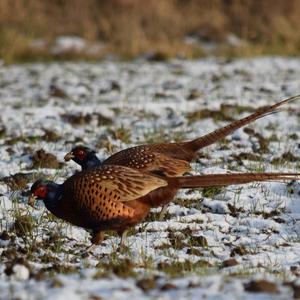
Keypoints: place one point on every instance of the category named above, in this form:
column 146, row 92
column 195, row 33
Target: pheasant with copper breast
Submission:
column 167, row 159
column 115, row 198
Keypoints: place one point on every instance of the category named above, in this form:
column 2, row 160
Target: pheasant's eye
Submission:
column 80, row 154
column 41, row 192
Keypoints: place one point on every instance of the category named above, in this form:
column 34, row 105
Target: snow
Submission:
column 20, row 272
column 146, row 99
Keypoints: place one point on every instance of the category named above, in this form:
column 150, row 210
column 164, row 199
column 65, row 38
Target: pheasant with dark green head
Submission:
column 167, row 159
column 116, row 198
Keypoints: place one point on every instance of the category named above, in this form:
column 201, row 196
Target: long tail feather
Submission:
column 220, row 133
column 230, row 179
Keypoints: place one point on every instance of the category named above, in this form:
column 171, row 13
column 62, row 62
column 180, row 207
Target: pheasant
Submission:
column 167, row 159
column 115, row 198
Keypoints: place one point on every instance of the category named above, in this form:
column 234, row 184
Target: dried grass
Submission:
column 134, row 27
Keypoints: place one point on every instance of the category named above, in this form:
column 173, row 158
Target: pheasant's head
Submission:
column 45, row 190
column 83, row 156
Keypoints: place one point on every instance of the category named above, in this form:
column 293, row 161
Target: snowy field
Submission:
column 239, row 242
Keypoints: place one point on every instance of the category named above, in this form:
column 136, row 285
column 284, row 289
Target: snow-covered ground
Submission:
column 239, row 242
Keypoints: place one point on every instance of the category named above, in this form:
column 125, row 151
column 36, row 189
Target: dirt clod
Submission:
column 43, row 159
column 261, row 286
column 4, row 236
column 18, row 181
column 168, row 286
column 240, row 250
column 229, row 263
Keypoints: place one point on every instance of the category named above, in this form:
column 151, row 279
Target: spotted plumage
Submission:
column 150, row 158
column 167, row 159
column 97, row 198
column 110, row 198
column 115, row 197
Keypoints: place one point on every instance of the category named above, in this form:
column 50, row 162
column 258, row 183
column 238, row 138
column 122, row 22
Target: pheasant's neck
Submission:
column 91, row 163
column 54, row 196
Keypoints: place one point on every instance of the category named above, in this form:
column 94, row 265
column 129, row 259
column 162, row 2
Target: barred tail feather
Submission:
column 230, row 179
column 221, row 133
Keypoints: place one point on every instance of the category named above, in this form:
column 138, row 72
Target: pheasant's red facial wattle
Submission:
column 41, row 192
column 80, row 154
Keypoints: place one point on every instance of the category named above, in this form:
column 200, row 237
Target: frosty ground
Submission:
column 239, row 242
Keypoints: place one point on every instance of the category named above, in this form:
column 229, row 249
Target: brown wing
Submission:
column 156, row 158
column 99, row 193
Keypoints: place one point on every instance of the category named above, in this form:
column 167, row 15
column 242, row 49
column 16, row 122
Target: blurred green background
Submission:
column 93, row 29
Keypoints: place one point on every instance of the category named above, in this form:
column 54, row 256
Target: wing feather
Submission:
column 102, row 193
column 144, row 158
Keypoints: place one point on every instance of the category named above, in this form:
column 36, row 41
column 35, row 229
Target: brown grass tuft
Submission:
column 133, row 27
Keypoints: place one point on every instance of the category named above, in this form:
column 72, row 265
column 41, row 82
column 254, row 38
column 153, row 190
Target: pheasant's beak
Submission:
column 69, row 156
column 31, row 200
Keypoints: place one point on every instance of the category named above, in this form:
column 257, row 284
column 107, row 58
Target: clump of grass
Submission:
column 216, row 115
column 262, row 141
column 286, row 157
column 188, row 203
column 131, row 28
column 239, row 250
column 194, row 251
column 176, row 240
column 225, row 112
column 18, row 181
column 79, row 119
column 212, row 191
column 198, row 241
column 120, row 267
column 23, row 138
column 43, row 159
column 147, row 284
column 156, row 216
column 51, row 136
column 177, row 268
column 121, row 133
column 161, row 135
column 58, row 268
column 23, row 225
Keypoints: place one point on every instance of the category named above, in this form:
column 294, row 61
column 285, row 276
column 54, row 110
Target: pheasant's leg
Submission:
column 163, row 212
column 123, row 237
column 97, row 239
